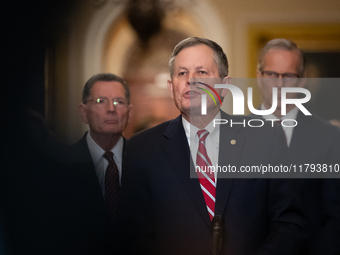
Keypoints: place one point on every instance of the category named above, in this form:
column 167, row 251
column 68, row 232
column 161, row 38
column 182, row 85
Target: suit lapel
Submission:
column 124, row 147
column 177, row 150
column 86, row 167
column 229, row 154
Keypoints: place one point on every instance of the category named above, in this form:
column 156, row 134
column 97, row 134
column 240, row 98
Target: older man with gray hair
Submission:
column 312, row 141
column 165, row 210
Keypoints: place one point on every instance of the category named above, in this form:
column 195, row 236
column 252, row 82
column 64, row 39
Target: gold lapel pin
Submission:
column 233, row 142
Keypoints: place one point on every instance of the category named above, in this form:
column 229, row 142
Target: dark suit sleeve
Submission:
column 327, row 241
column 287, row 230
column 134, row 215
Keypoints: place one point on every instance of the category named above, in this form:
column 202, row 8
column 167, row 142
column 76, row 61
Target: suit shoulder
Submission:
column 150, row 133
column 324, row 123
column 320, row 125
column 79, row 151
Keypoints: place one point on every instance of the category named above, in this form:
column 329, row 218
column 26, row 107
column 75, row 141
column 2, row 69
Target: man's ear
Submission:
column 83, row 113
column 226, row 80
column 259, row 78
column 131, row 110
column 170, row 87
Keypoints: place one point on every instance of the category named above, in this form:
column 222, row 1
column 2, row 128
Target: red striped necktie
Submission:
column 206, row 178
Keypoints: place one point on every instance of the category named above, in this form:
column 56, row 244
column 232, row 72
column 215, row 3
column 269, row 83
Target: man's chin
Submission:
column 195, row 110
column 110, row 132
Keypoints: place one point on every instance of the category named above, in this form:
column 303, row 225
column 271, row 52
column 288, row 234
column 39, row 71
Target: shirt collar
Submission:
column 292, row 114
column 118, row 150
column 191, row 130
column 97, row 152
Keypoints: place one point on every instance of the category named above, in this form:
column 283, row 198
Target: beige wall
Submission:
column 79, row 49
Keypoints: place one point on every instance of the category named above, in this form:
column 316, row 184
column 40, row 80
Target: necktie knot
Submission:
column 108, row 155
column 202, row 134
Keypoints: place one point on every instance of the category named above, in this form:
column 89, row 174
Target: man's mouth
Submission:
column 191, row 93
column 111, row 121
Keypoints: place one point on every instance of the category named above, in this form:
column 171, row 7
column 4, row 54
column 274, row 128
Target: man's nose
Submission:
column 279, row 81
column 111, row 107
column 191, row 77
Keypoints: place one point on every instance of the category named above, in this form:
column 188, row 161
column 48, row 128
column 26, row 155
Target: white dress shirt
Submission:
column 100, row 163
column 292, row 114
column 211, row 143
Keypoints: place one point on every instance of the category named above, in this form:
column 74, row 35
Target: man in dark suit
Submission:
column 106, row 109
column 311, row 141
column 97, row 156
column 165, row 210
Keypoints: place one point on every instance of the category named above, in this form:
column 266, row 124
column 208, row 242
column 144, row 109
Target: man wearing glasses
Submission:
column 106, row 109
column 280, row 58
column 97, row 164
column 312, row 141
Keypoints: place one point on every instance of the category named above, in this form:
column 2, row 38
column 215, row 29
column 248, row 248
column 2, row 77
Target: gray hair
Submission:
column 219, row 56
column 104, row 77
column 281, row 44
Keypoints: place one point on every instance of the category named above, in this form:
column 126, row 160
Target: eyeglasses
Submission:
column 104, row 101
column 271, row 74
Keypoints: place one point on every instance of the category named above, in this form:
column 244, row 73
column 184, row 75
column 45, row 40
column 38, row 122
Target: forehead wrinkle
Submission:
column 182, row 67
column 185, row 68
